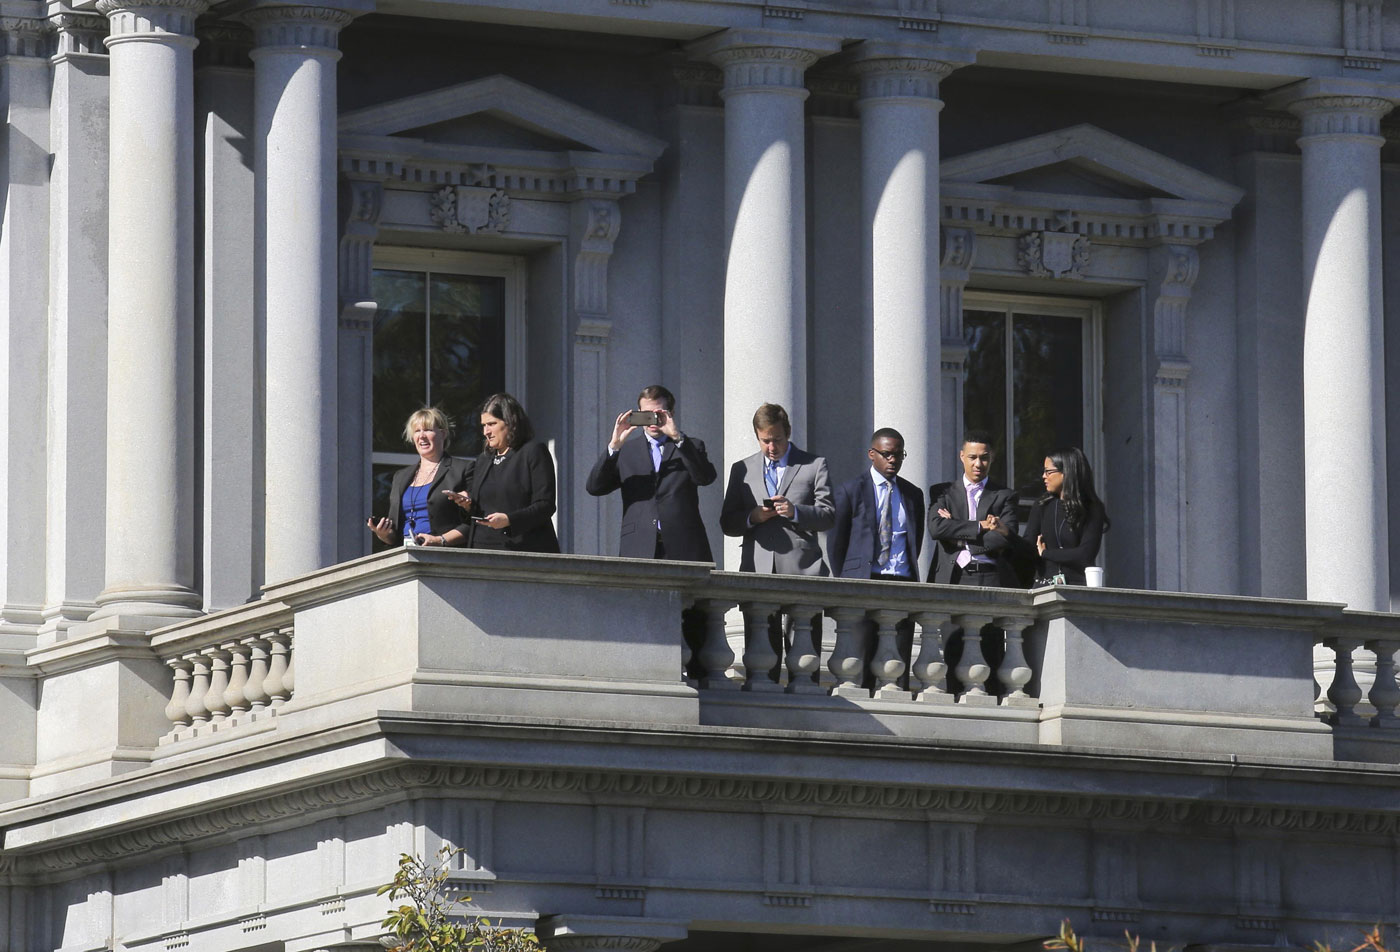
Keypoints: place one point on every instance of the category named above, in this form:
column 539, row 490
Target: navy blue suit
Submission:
column 853, row 544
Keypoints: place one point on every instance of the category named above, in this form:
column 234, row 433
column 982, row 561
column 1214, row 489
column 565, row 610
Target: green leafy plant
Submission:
column 428, row 919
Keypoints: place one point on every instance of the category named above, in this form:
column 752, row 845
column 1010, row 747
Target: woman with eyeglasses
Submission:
column 1067, row 523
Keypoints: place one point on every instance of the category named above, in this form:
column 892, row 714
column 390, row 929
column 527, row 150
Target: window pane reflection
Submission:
column 1048, row 390
column 400, row 372
column 467, row 358
column 984, row 397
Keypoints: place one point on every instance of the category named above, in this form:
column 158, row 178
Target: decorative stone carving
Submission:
column 920, row 15
column 762, row 67
column 79, row 34
column 305, row 28
column 25, row 36
column 471, row 209
column 906, row 76
column 787, row 859
column 133, row 18
column 1053, row 254
column 1341, row 115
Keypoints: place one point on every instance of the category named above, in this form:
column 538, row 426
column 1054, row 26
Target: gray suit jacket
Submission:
column 780, row 545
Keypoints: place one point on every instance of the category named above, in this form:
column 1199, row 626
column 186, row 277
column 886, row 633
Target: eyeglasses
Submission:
column 890, row 454
column 1047, row 472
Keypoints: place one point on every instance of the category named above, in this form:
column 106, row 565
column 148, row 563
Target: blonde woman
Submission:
column 421, row 511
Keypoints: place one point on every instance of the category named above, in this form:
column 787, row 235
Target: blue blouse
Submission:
column 415, row 511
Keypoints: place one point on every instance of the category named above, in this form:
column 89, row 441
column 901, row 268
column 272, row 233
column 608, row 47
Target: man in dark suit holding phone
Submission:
column 659, row 470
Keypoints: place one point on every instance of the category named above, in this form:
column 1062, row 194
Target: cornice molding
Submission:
column 520, row 783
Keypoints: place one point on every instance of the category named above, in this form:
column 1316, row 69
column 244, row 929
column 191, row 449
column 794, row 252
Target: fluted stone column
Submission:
column 1343, row 375
column 899, row 108
column 294, row 65
column 765, row 299
column 150, row 357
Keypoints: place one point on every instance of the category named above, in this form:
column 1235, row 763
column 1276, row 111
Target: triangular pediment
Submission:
column 1106, row 164
column 505, row 108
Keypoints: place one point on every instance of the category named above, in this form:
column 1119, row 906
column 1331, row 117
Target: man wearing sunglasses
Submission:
column 879, row 518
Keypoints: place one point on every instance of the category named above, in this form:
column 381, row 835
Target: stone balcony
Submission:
column 617, row 741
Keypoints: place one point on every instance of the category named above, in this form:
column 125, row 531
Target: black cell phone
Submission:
column 768, row 504
column 480, row 520
column 643, row 418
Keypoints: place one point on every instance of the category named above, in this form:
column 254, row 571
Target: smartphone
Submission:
column 643, row 418
column 768, row 504
column 481, row 521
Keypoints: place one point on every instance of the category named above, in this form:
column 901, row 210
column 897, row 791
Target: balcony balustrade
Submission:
column 460, row 632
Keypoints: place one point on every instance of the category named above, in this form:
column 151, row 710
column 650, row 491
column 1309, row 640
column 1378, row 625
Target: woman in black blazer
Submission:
column 511, row 500
column 1068, row 522
column 420, row 510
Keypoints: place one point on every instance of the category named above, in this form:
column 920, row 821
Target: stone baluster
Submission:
column 1385, row 694
column 257, row 675
column 759, row 657
column 686, row 653
column 931, row 667
column 887, row 666
column 289, row 680
column 199, row 689
column 1014, row 672
column 218, row 684
column 1344, row 693
column 177, row 710
column 847, row 663
column 803, row 656
column 277, row 668
column 715, row 654
column 973, row 670
column 236, row 696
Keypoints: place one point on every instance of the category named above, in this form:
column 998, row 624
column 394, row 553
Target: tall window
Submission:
column 1032, row 381
column 445, row 334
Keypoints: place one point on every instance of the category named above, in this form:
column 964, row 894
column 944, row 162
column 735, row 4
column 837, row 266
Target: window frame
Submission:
column 511, row 268
column 1090, row 311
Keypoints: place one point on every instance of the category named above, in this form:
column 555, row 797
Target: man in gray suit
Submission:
column 778, row 500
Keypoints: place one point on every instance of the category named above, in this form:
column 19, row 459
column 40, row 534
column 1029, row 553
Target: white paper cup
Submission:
column 1093, row 577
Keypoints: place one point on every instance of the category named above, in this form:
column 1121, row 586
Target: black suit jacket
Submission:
column 1067, row 550
column 963, row 531
column 670, row 495
column 526, row 478
column 853, row 544
column 444, row 515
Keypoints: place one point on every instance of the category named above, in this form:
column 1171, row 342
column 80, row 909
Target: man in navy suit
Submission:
column 879, row 518
column 659, row 470
column 878, row 532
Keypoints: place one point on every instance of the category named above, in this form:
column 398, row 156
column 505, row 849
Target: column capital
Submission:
column 895, row 70
column 1337, row 106
column 78, row 33
column 763, row 59
column 303, row 26
column 145, row 20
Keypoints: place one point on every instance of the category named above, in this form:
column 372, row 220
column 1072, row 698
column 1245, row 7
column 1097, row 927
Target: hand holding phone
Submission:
column 767, row 504
column 643, row 418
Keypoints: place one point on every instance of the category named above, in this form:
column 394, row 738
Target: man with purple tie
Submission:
column 973, row 520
